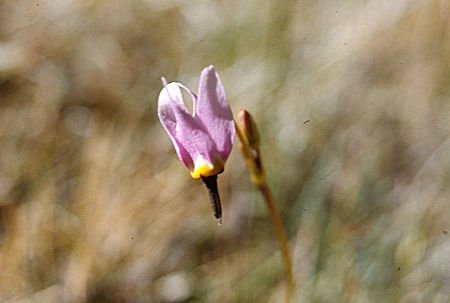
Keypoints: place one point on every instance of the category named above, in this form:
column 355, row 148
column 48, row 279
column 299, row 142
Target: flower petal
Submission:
column 214, row 111
column 188, row 135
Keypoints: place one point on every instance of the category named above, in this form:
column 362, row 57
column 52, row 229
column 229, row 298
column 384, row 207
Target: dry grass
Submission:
column 353, row 104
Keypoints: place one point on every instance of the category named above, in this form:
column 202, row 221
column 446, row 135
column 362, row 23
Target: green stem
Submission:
column 282, row 238
column 252, row 158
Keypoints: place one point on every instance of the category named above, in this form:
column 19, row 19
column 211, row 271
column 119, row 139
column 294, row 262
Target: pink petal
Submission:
column 214, row 111
column 188, row 135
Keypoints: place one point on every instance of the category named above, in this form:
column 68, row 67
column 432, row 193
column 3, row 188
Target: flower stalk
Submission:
column 249, row 138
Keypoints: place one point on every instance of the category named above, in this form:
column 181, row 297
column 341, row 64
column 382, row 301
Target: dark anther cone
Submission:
column 211, row 184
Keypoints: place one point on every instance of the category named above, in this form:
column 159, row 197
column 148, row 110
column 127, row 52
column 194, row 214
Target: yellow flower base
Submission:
column 204, row 168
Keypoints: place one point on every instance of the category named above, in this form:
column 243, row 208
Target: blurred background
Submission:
column 352, row 99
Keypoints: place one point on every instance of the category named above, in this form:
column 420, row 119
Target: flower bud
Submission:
column 248, row 128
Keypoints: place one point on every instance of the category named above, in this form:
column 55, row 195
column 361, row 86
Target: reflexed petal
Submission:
column 214, row 111
column 189, row 137
column 168, row 119
column 173, row 88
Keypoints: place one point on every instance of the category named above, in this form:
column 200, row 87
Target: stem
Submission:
column 249, row 147
column 281, row 236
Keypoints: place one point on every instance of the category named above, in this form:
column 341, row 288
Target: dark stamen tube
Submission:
column 211, row 184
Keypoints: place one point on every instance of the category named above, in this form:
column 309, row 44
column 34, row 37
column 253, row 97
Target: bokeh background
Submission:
column 352, row 99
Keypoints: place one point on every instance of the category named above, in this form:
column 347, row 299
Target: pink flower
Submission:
column 203, row 139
